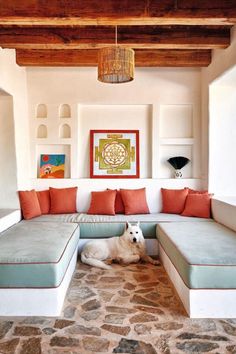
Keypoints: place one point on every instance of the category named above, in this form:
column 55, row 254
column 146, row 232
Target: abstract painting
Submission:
column 52, row 166
column 114, row 154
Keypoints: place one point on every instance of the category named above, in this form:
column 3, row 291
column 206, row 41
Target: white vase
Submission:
column 178, row 174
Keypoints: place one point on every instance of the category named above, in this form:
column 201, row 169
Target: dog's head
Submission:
column 133, row 233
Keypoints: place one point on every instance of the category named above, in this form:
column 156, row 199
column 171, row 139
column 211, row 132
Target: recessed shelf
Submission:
column 41, row 111
column 64, row 111
column 54, row 149
column 65, row 131
column 42, row 131
column 176, row 121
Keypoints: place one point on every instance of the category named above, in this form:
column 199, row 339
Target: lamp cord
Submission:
column 116, row 35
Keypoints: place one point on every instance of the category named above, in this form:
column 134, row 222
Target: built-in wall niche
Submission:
column 51, row 149
column 42, row 131
column 176, row 138
column 167, row 151
column 116, row 117
column 64, row 131
column 64, row 111
column 176, row 121
column 41, row 111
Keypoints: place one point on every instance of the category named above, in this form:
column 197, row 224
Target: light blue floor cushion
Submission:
column 36, row 254
column 204, row 253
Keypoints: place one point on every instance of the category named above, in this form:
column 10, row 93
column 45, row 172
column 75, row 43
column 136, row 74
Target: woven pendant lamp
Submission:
column 115, row 64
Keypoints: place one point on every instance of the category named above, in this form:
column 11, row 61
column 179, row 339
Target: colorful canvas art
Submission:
column 114, row 154
column 52, row 166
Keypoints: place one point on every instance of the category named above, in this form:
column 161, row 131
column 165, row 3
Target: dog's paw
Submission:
column 120, row 260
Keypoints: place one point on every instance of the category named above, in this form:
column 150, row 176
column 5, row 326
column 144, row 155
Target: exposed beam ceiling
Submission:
column 69, row 33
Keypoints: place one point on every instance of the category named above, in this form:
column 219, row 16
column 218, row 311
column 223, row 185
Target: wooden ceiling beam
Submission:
column 143, row 58
column 113, row 12
column 90, row 37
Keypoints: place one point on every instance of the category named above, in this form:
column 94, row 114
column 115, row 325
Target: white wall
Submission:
column 222, row 61
column 222, row 157
column 134, row 105
column 8, row 185
column 13, row 82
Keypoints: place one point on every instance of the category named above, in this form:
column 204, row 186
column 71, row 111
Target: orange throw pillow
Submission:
column 29, row 204
column 44, row 201
column 119, row 205
column 63, row 200
column 135, row 201
column 102, row 203
column 198, row 205
column 173, row 200
column 193, row 191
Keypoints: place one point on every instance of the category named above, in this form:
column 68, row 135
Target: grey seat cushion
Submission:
column 36, row 254
column 204, row 254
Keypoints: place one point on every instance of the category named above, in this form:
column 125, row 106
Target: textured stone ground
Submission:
column 129, row 309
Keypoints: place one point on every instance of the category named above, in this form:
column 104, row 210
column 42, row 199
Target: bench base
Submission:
column 151, row 245
column 9, row 217
column 201, row 303
column 37, row 302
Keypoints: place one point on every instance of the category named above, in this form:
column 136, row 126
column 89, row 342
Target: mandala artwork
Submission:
column 114, row 154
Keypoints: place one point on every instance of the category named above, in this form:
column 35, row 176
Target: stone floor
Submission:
column 129, row 309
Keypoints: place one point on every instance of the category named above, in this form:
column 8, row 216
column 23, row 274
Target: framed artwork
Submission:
column 52, row 166
column 114, row 153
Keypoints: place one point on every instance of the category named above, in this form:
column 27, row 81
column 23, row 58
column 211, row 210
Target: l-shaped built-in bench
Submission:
column 200, row 259
column 38, row 257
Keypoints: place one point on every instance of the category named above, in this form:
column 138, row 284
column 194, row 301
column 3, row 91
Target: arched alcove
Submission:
column 64, row 111
column 42, row 131
column 65, row 131
column 41, row 110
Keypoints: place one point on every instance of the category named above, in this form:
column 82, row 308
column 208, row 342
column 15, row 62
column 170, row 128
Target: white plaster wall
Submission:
column 8, row 179
column 86, row 186
column 13, row 81
column 222, row 61
column 222, row 157
column 151, row 88
column 80, row 85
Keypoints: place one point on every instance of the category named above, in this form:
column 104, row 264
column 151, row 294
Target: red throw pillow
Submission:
column 102, row 203
column 119, row 205
column 173, row 200
column 63, row 200
column 198, row 205
column 44, row 201
column 135, row 201
column 29, row 204
column 193, row 191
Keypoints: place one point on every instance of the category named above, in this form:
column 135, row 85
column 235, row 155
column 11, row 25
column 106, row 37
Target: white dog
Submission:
column 126, row 249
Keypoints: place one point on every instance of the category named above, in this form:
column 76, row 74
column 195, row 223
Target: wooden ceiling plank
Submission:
column 155, row 37
column 143, row 58
column 113, row 12
column 184, row 19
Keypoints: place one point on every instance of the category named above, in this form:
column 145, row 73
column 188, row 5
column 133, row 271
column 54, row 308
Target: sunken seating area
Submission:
column 197, row 253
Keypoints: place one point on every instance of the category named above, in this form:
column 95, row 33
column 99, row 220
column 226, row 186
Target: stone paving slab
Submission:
column 128, row 309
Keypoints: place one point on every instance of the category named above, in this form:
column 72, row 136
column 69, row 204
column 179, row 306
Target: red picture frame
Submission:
column 114, row 154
